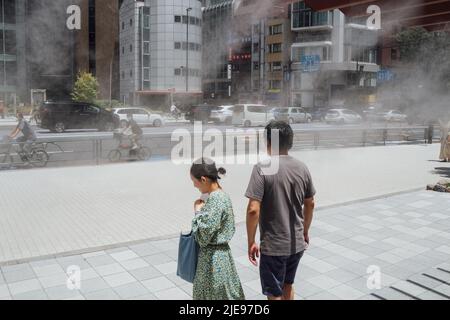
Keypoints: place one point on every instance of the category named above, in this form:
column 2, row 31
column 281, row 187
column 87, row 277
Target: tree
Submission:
column 86, row 87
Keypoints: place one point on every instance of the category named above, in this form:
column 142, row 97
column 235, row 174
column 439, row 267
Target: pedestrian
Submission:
column 213, row 227
column 447, row 149
column 445, row 128
column 276, row 203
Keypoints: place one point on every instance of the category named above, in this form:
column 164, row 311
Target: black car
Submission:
column 199, row 113
column 61, row 116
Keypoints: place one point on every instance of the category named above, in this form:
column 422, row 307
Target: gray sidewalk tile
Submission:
column 158, row 284
column 324, row 295
column 134, row 264
column 250, row 292
column 19, row 275
column 172, row 294
column 144, row 249
column 107, row 294
column 124, row 255
column 109, row 269
column 148, row 296
column 60, row 293
column 145, row 273
column 92, row 285
column 305, row 289
column 131, row 290
column 100, row 260
column 119, row 279
column 324, row 282
column 48, row 270
column 346, row 292
column 177, row 280
column 24, row 286
column 78, row 261
column 157, row 259
column 167, row 268
column 342, row 275
column 53, row 281
column 31, row 295
column 23, row 267
column 4, row 291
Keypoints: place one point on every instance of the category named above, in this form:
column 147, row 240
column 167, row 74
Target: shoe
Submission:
column 135, row 147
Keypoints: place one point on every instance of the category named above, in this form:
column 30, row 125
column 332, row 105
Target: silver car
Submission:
column 342, row 116
column 140, row 115
column 292, row 115
column 394, row 116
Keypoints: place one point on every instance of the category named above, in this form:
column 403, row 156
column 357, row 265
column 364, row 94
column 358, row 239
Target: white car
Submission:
column 140, row 115
column 222, row 114
column 394, row 116
column 342, row 116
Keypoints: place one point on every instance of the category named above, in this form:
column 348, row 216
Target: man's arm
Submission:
column 14, row 133
column 308, row 213
column 253, row 211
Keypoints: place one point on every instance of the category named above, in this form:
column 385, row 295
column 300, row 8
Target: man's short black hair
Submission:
column 285, row 134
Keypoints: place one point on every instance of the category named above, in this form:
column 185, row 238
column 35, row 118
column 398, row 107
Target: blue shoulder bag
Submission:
column 187, row 257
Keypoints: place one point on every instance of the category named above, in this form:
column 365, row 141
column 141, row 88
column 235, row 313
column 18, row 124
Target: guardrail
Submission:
column 82, row 150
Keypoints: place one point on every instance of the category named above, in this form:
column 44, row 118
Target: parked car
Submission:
column 199, row 113
column 248, row 115
column 342, row 116
column 222, row 114
column 292, row 115
column 394, row 116
column 61, row 116
column 141, row 115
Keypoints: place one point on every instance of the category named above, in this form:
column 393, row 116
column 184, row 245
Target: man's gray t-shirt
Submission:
column 282, row 197
column 26, row 130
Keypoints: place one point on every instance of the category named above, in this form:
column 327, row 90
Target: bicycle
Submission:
column 36, row 156
column 141, row 153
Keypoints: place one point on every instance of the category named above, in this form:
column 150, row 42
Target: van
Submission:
column 248, row 115
column 61, row 116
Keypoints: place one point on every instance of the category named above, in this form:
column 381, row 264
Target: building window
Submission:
column 185, row 19
column 177, row 19
column 123, row 25
column 123, row 75
column 131, row 48
column 275, row 48
column 131, row 22
column 256, row 47
column 123, row 50
column 177, row 45
column 277, row 29
column 276, row 66
column 303, row 16
column 178, row 72
column 256, row 65
column 274, row 85
column 146, row 47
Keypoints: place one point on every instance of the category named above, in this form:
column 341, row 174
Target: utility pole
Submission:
column 187, row 48
column 4, row 54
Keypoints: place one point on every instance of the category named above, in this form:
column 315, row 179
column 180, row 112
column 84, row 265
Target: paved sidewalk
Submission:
column 404, row 235
column 47, row 212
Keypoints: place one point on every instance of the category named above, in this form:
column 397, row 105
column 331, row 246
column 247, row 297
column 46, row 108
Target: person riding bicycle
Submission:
column 133, row 132
column 174, row 111
column 28, row 133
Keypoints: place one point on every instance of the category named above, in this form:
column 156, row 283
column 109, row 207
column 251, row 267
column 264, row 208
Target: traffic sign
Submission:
column 310, row 63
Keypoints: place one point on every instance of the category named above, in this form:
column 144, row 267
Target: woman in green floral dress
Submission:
column 213, row 226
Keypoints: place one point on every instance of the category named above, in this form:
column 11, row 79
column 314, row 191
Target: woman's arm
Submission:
column 208, row 221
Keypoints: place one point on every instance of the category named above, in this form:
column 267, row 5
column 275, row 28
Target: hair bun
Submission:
column 222, row 171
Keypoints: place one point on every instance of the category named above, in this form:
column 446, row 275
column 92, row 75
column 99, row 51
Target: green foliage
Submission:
column 85, row 89
column 106, row 104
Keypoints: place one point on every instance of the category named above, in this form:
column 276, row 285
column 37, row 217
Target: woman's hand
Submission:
column 198, row 205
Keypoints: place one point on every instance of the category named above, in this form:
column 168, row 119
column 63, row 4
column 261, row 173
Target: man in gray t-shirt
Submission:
column 276, row 203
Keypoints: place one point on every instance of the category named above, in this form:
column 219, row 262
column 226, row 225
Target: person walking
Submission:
column 213, row 227
column 445, row 128
column 276, row 203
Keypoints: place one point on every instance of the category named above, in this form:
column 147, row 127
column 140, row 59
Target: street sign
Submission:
column 385, row 75
column 310, row 63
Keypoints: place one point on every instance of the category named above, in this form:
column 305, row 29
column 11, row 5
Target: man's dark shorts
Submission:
column 275, row 272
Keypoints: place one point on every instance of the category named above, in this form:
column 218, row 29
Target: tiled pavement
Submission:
column 78, row 209
column 407, row 236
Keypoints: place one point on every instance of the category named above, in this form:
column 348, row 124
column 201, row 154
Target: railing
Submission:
column 64, row 151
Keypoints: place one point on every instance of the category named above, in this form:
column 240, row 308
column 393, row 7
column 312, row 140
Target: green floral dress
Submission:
column 216, row 277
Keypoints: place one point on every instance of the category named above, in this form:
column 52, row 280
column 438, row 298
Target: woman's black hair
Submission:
column 205, row 167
